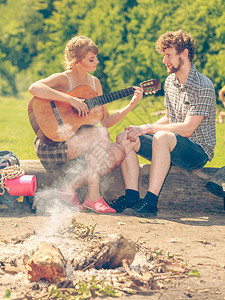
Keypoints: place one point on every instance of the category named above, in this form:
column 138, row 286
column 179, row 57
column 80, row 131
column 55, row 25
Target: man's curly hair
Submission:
column 178, row 40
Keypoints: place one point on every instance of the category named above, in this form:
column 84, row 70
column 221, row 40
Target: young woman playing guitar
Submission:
column 92, row 142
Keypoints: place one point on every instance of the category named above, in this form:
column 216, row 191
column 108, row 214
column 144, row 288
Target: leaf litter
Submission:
column 151, row 270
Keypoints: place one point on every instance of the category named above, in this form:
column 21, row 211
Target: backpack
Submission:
column 8, row 158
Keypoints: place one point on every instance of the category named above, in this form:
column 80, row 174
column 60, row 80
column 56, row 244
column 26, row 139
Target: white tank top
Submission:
column 71, row 86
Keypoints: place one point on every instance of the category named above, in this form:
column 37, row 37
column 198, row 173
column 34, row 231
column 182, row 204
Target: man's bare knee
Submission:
column 164, row 139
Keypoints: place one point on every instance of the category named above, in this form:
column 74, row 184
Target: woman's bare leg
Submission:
column 101, row 157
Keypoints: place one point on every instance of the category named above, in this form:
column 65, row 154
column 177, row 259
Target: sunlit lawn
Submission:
column 18, row 136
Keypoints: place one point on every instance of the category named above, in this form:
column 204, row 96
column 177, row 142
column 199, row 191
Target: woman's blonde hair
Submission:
column 77, row 48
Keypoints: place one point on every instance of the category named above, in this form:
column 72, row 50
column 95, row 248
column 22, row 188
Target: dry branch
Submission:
column 46, row 263
column 107, row 254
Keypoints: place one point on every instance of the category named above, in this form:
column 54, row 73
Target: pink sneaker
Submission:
column 76, row 202
column 99, row 206
column 70, row 198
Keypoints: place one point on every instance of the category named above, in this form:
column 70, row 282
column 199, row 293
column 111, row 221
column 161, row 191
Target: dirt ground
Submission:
column 198, row 238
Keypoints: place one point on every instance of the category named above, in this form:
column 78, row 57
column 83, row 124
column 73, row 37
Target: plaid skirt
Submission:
column 56, row 154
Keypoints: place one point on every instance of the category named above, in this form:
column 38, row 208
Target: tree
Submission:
column 20, row 26
column 32, row 42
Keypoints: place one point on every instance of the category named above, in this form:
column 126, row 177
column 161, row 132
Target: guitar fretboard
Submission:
column 103, row 99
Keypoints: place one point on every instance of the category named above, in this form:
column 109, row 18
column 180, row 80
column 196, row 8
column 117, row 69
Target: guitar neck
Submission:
column 103, row 99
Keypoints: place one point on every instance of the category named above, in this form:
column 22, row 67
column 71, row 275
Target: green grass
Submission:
column 18, row 136
column 16, row 133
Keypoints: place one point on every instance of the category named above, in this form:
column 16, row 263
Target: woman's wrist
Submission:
column 131, row 104
column 71, row 100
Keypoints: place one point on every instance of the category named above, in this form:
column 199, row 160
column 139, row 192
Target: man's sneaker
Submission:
column 142, row 209
column 99, row 206
column 118, row 204
column 121, row 203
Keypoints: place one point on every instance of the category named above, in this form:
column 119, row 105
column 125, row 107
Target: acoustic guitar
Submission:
column 55, row 121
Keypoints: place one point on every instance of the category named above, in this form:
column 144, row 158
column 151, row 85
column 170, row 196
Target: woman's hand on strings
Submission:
column 80, row 106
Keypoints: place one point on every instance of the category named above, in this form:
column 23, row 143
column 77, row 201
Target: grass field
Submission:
column 18, row 136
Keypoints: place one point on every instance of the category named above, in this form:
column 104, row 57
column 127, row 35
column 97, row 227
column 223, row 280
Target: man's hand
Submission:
column 133, row 132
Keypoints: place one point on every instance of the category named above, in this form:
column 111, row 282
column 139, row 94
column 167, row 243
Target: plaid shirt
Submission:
column 195, row 98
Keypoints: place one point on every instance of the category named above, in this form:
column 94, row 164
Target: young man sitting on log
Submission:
column 185, row 136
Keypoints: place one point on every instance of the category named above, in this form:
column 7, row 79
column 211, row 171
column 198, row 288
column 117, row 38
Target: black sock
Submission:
column 151, row 198
column 132, row 197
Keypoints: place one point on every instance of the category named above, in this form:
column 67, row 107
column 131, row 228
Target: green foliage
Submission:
column 33, row 35
column 7, row 293
column 20, row 28
column 19, row 23
column 84, row 290
column 194, row 272
column 8, row 74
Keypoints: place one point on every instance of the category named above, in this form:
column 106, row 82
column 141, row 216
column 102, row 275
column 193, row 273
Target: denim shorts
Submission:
column 186, row 154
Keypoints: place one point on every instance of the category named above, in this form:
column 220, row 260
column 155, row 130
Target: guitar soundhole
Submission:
column 75, row 110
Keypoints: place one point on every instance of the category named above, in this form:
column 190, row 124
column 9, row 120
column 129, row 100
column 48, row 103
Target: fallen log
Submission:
column 107, row 254
column 182, row 190
column 47, row 263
